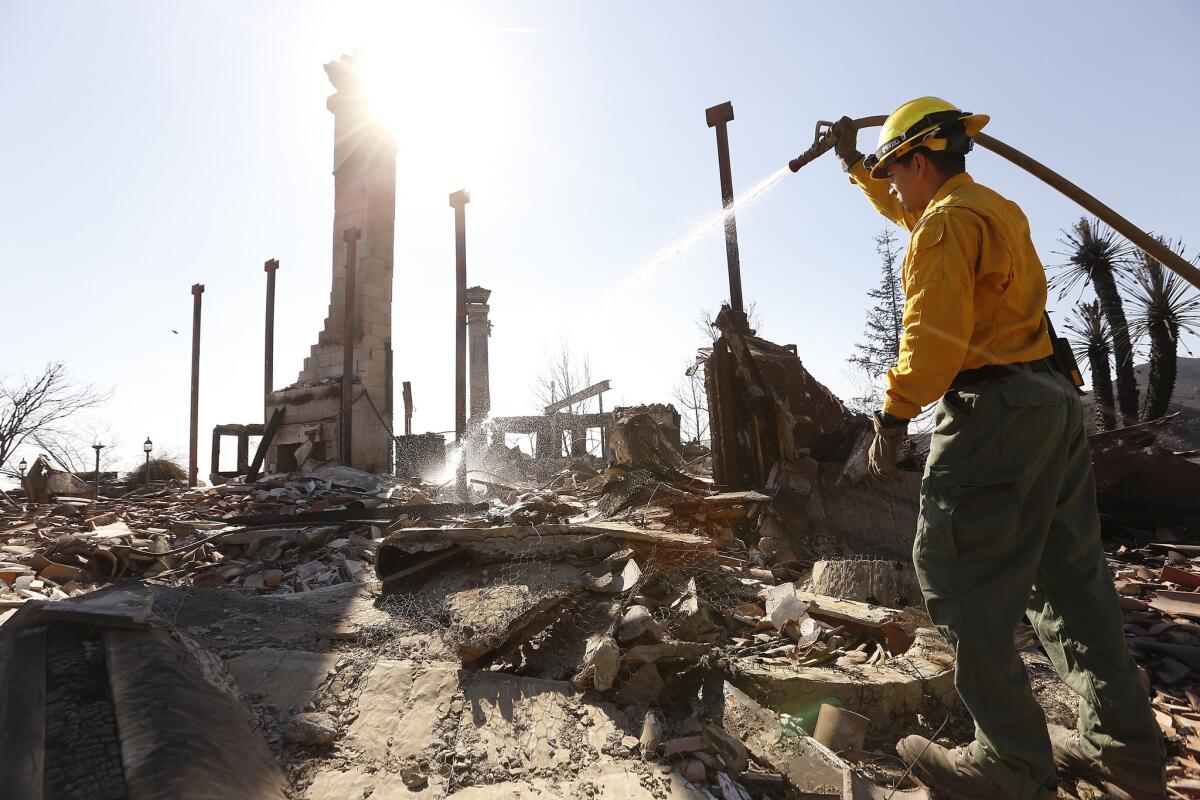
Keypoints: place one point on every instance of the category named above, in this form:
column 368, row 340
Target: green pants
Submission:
column 1009, row 526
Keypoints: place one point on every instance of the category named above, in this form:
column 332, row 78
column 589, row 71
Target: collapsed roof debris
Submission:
column 616, row 633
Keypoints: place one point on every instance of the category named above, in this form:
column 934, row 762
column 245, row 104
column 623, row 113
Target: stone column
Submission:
column 364, row 175
column 479, row 329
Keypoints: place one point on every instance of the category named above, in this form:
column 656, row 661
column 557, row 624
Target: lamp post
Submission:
column 147, row 446
column 24, row 465
column 96, row 487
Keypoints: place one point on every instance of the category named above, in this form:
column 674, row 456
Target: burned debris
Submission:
column 350, row 612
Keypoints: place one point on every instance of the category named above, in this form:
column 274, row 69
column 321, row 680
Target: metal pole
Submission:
column 407, row 386
column 350, row 237
column 458, row 201
column 194, row 431
column 718, row 117
column 269, row 337
column 147, row 470
column 96, row 484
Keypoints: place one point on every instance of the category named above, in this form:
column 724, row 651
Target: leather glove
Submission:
column 881, row 458
column 845, row 146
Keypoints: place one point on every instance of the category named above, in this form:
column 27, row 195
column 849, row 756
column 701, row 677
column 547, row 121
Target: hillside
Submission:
column 1185, row 433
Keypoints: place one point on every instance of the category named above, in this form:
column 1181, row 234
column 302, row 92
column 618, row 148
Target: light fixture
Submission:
column 147, row 446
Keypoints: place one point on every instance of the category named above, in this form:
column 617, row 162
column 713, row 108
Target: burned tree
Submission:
column 1091, row 341
column 564, row 374
column 693, row 403
column 1097, row 256
column 1164, row 306
column 39, row 407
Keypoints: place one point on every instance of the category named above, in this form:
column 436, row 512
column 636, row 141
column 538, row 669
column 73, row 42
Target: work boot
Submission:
column 950, row 773
column 1071, row 760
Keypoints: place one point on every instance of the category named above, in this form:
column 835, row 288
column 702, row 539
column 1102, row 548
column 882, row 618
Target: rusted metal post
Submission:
column 458, row 201
column 718, row 117
column 407, row 408
column 350, row 237
column 194, row 431
column 269, row 337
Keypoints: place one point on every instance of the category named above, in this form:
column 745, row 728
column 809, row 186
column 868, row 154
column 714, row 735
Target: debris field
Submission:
column 618, row 630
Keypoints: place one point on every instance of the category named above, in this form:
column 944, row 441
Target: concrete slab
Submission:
column 400, row 704
column 285, row 678
column 355, row 784
column 531, row 719
column 889, row 692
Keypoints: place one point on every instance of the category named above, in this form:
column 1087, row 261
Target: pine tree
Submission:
column 885, row 322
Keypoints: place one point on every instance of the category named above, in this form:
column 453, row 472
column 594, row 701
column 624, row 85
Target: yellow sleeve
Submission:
column 939, row 287
column 877, row 193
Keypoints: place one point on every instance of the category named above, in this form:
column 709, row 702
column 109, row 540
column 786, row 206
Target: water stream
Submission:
column 669, row 255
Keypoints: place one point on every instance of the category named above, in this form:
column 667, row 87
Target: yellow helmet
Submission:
column 923, row 123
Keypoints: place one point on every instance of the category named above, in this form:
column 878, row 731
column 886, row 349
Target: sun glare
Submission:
column 433, row 79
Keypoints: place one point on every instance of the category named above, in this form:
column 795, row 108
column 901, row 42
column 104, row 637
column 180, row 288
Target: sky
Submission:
column 148, row 146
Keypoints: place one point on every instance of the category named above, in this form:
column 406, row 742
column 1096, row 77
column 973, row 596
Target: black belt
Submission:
column 993, row 371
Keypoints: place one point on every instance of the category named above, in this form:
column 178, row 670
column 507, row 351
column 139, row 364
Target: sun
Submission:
column 432, row 77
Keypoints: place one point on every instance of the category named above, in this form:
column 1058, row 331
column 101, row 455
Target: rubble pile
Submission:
column 631, row 587
column 1159, row 589
column 620, row 630
column 204, row 537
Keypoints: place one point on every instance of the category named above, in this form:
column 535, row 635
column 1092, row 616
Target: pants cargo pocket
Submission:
column 982, row 507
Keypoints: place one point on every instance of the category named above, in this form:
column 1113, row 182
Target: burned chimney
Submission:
column 364, row 172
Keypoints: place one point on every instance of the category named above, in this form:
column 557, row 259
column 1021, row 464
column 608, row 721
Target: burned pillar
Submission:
column 719, row 117
column 478, row 331
column 364, row 173
column 459, row 200
column 270, row 268
column 194, row 425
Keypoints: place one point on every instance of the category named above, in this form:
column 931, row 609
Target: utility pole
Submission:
column 269, row 337
column 194, row 431
column 458, row 201
column 350, row 237
column 719, row 117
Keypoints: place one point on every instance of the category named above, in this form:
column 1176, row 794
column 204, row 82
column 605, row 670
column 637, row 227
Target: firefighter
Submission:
column 1008, row 523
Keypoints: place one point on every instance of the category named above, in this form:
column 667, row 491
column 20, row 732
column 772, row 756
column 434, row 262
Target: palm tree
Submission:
column 1164, row 306
column 1090, row 339
column 1096, row 255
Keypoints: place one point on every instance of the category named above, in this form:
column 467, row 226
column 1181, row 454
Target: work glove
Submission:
column 885, row 448
column 845, row 145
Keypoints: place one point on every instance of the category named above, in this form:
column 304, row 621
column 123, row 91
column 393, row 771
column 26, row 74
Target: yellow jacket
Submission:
column 974, row 287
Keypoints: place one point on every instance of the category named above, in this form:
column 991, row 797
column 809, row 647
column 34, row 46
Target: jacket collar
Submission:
column 951, row 184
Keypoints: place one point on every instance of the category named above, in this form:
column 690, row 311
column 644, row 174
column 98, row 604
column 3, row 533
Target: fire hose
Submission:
column 824, row 140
